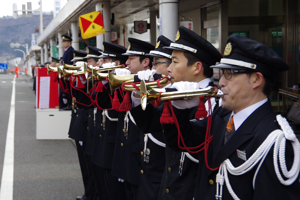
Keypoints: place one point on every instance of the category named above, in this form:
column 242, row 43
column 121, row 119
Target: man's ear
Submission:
column 146, row 62
column 257, row 79
column 117, row 62
column 197, row 67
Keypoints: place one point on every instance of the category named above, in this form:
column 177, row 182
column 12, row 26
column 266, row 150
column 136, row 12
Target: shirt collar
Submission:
column 204, row 83
column 240, row 117
column 67, row 48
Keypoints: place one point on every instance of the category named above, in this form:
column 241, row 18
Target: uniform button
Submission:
column 211, row 181
column 76, row 115
column 89, row 115
column 87, row 128
column 142, row 171
column 167, row 191
column 101, row 124
column 169, row 169
column 122, row 144
column 163, row 130
column 100, row 135
column 142, row 153
column 123, row 130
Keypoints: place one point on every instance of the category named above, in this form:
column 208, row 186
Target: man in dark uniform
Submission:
column 127, row 149
column 241, row 160
column 65, row 99
column 191, row 57
column 78, row 127
column 153, row 154
column 68, row 49
column 92, row 58
column 105, row 129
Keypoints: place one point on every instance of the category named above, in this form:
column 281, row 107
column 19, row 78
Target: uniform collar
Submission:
column 241, row 116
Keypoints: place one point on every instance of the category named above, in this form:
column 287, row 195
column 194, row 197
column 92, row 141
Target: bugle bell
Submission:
column 150, row 94
column 71, row 67
column 51, row 69
column 107, row 69
column 116, row 81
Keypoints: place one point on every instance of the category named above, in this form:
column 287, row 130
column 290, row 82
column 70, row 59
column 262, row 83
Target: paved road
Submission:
column 43, row 169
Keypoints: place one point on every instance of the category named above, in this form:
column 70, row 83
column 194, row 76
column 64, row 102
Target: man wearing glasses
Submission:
column 242, row 161
column 191, row 57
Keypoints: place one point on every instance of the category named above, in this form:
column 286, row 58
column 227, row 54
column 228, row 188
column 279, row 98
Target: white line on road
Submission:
column 7, row 183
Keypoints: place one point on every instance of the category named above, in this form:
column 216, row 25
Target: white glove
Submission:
column 61, row 67
column 146, row 75
column 187, row 102
column 107, row 65
column 92, row 67
column 80, row 63
column 136, row 101
column 122, row 71
column 65, row 100
column 185, row 85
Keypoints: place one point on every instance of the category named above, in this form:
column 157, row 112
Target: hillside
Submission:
column 18, row 31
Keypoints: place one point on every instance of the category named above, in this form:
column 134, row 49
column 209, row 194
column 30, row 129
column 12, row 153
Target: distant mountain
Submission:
column 18, row 31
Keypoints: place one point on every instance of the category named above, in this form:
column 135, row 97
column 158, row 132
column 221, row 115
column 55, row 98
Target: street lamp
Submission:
column 17, row 45
column 24, row 57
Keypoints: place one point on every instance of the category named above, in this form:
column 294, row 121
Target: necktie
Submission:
column 230, row 125
column 229, row 129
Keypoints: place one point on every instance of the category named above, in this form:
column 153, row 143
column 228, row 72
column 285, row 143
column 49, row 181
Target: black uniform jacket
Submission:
column 126, row 161
column 173, row 185
column 105, row 130
column 79, row 118
column 68, row 56
column 152, row 159
column 246, row 139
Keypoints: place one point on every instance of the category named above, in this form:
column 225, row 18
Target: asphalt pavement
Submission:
column 43, row 169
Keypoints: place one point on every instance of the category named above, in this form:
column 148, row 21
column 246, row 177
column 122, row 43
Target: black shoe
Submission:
column 68, row 107
column 81, row 198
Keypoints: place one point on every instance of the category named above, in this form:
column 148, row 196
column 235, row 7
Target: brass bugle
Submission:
column 51, row 69
column 116, row 81
column 150, row 94
column 92, row 69
column 68, row 73
column 111, row 68
column 97, row 76
column 71, row 67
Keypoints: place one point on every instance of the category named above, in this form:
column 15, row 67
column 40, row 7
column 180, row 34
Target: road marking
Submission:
column 7, row 182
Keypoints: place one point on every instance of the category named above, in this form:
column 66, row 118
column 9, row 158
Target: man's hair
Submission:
column 269, row 84
column 207, row 71
column 150, row 58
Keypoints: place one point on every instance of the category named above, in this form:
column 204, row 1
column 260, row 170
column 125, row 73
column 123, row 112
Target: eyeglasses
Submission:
column 158, row 62
column 228, row 72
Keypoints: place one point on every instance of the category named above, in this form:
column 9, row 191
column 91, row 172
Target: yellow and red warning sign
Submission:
column 91, row 24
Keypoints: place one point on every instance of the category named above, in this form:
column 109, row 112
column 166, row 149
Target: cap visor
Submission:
column 226, row 66
column 130, row 54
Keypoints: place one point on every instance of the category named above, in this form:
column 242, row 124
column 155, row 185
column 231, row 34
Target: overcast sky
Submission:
column 6, row 8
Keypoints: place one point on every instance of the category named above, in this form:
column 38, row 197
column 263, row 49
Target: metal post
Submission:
column 42, row 55
column 60, row 48
column 107, row 20
column 74, row 30
column 99, row 38
column 41, row 18
column 168, row 20
column 153, row 27
column 46, row 52
column 51, row 50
